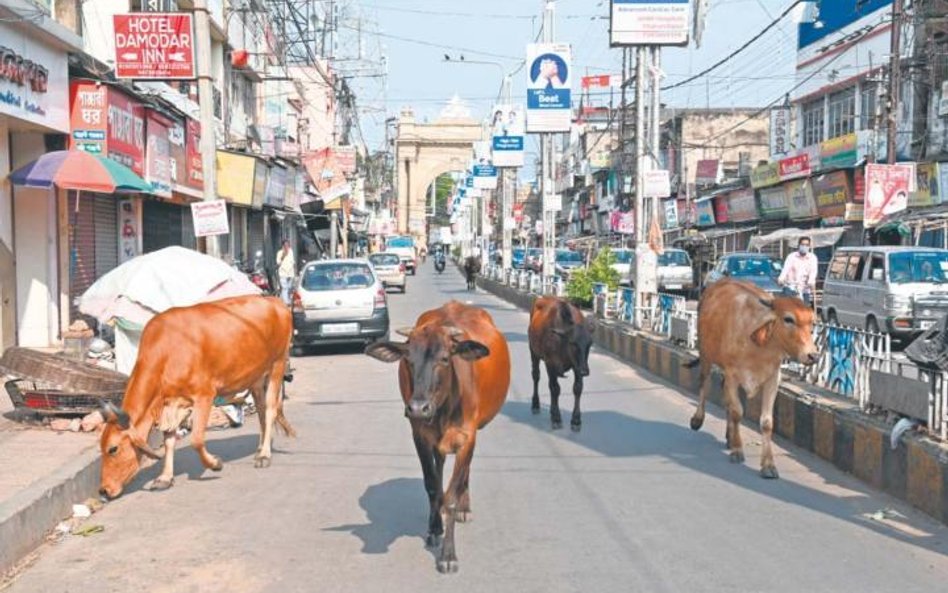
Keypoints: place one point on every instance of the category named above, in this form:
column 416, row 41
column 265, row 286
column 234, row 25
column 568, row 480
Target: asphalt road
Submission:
column 635, row 502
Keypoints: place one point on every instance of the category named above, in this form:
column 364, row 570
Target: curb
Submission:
column 28, row 517
column 828, row 426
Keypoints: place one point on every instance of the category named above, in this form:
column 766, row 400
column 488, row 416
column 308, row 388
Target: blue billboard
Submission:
column 835, row 15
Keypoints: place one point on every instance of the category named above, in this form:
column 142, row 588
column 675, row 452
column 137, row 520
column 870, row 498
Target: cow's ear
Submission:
column 387, row 351
column 762, row 334
column 114, row 415
column 470, row 350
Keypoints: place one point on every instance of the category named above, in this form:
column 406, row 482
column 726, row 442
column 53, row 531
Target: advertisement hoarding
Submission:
column 800, row 200
column 742, row 205
column 657, row 184
column 831, row 192
column 773, row 203
column 158, row 155
column 887, row 191
column 779, row 132
column 649, row 22
column 704, row 213
column 794, row 167
column 507, row 133
column 548, row 87
column 154, row 46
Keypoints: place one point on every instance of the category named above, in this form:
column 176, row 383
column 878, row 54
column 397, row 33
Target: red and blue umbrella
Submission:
column 79, row 170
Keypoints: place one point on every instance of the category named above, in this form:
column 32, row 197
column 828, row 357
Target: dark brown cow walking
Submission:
column 472, row 267
column 561, row 337
column 453, row 374
column 747, row 333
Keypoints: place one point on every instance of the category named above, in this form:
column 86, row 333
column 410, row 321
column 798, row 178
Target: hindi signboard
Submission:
column 210, row 218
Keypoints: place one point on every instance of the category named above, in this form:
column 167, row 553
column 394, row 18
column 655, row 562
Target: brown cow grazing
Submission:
column 561, row 337
column 453, row 375
column 187, row 357
column 472, row 267
column 747, row 334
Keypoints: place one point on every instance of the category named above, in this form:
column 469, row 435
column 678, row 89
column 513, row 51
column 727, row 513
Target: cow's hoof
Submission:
column 464, row 517
column 535, row 409
column 262, row 462
column 576, row 426
column 433, row 540
column 216, row 465
column 769, row 473
column 448, row 566
column 696, row 422
column 556, row 424
column 158, row 484
column 736, row 457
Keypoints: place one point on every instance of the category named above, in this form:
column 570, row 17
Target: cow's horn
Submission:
column 113, row 414
column 405, row 331
column 766, row 303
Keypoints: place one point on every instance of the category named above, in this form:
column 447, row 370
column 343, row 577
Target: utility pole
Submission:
column 895, row 75
column 655, row 122
column 641, row 57
column 202, row 25
column 547, row 164
column 506, row 202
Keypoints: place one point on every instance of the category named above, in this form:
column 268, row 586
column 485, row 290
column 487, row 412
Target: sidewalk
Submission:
column 42, row 474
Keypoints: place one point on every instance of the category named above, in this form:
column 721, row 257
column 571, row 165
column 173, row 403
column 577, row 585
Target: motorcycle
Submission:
column 439, row 263
column 258, row 274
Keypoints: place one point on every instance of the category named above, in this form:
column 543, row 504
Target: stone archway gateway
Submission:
column 423, row 152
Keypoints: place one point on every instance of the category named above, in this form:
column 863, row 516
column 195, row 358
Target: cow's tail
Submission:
column 283, row 423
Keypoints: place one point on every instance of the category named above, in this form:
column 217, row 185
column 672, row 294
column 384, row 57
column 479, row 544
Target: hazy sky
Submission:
column 416, row 34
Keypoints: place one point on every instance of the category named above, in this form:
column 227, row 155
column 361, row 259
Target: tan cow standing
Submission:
column 747, row 333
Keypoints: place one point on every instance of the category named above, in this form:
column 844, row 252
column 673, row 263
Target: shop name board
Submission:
column 800, row 199
column 779, row 131
column 194, row 162
column 831, row 192
column 21, row 71
column 657, row 184
column 773, row 203
column 210, row 218
column 839, row 152
column 704, row 213
column 927, row 192
column 107, row 122
column 741, row 205
column 154, row 46
column 794, row 167
column 765, row 175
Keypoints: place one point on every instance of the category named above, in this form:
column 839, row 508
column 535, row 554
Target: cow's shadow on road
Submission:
column 394, row 509
column 187, row 462
column 614, row 434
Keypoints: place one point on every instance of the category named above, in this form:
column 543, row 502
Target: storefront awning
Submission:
column 818, row 237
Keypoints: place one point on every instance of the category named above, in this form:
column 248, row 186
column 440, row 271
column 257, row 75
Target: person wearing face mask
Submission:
column 800, row 271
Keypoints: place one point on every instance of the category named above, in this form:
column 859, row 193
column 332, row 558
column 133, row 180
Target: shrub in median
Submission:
column 579, row 289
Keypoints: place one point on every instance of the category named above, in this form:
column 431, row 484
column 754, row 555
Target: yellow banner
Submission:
column 765, row 175
column 235, row 177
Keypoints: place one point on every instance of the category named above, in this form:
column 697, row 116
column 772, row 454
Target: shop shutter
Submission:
column 81, row 247
column 187, row 228
column 255, row 222
column 106, row 234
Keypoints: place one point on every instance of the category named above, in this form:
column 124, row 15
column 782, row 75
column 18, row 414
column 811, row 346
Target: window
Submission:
column 337, row 276
column 918, row 266
column 867, row 108
column 857, row 264
column 842, row 112
column 813, row 122
column 877, row 269
column 672, row 258
column 838, row 266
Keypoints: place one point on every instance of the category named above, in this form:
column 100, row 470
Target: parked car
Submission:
column 517, row 258
column 389, row 269
column 567, row 261
column 623, row 264
column 901, row 291
column 757, row 268
column 675, row 272
column 404, row 247
column 339, row 301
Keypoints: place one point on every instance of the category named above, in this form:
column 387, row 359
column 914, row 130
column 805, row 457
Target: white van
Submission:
column 404, row 247
column 901, row 291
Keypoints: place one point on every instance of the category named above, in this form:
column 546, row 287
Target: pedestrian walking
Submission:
column 800, row 271
column 286, row 268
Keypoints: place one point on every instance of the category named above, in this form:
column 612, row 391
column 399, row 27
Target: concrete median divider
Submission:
column 830, row 427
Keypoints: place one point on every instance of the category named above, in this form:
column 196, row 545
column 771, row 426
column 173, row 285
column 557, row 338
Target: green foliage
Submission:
column 579, row 289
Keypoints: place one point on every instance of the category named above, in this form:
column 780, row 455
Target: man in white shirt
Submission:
column 800, row 271
column 286, row 269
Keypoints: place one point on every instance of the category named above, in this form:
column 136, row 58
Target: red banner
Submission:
column 88, row 112
column 794, row 167
column 194, row 167
column 156, row 46
column 126, row 132
column 107, row 122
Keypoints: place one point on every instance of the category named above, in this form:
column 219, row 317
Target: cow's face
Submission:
column 122, row 451
column 429, row 355
column 579, row 340
column 790, row 328
column 120, row 460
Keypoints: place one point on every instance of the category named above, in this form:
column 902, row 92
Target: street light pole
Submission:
column 547, row 163
column 895, row 80
column 202, row 24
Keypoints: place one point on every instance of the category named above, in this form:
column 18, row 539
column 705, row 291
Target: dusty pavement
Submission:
column 636, row 502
